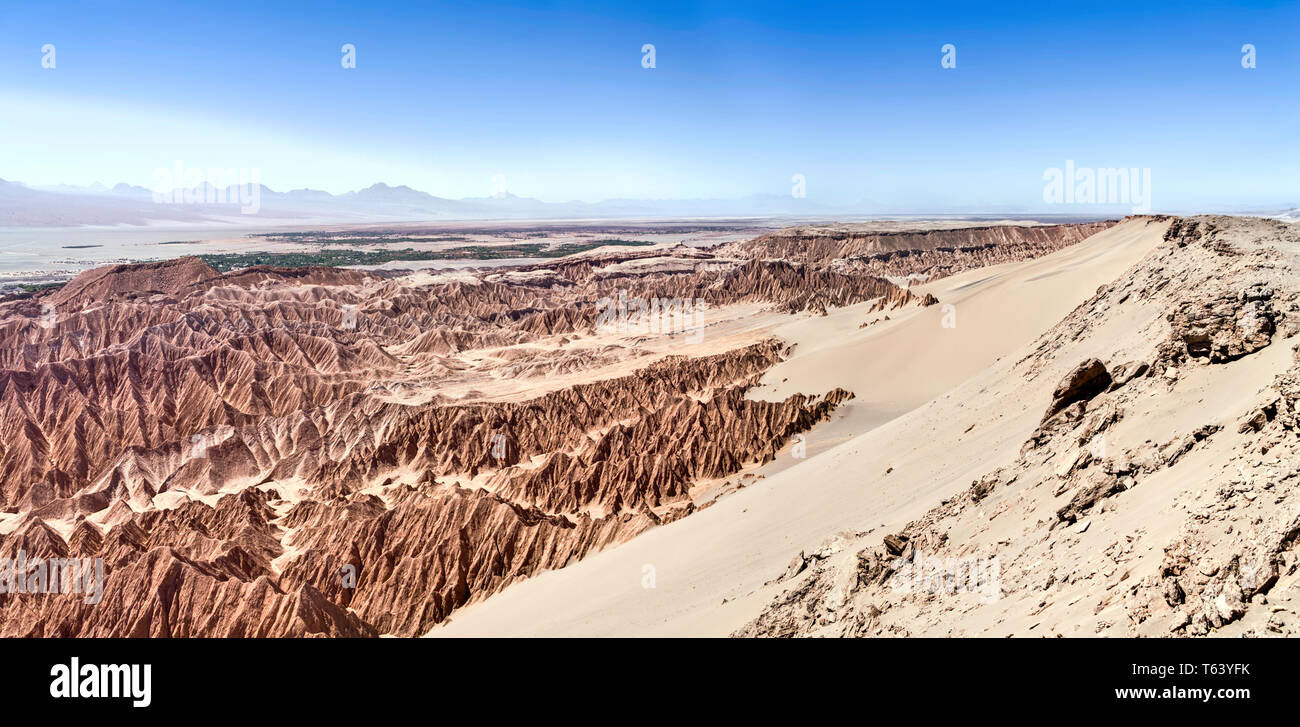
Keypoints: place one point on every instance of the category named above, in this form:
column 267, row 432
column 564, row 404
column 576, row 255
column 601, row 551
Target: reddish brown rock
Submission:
column 271, row 452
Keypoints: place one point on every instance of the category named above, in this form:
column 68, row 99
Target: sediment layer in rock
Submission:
column 917, row 255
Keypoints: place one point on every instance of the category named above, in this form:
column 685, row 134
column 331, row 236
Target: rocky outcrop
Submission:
column 1224, row 326
column 1082, row 383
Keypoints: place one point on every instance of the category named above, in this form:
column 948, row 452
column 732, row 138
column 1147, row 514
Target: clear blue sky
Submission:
column 744, row 95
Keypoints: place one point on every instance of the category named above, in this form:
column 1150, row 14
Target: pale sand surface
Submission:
column 900, row 370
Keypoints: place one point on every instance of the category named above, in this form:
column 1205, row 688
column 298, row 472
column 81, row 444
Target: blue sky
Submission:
column 553, row 96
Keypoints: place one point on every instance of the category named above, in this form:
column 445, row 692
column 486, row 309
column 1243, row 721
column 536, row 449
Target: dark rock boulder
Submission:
column 1087, row 380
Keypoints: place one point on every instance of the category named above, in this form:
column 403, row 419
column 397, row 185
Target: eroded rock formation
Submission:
column 333, row 452
column 918, row 255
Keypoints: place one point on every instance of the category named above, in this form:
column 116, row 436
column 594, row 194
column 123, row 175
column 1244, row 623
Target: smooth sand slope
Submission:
column 921, row 444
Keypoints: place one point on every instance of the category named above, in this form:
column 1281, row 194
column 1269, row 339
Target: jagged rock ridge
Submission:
column 917, row 255
column 329, row 452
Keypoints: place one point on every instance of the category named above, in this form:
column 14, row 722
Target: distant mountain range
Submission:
column 124, row 204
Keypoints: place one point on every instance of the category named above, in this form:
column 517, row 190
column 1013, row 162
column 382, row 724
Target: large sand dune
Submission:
column 925, row 441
